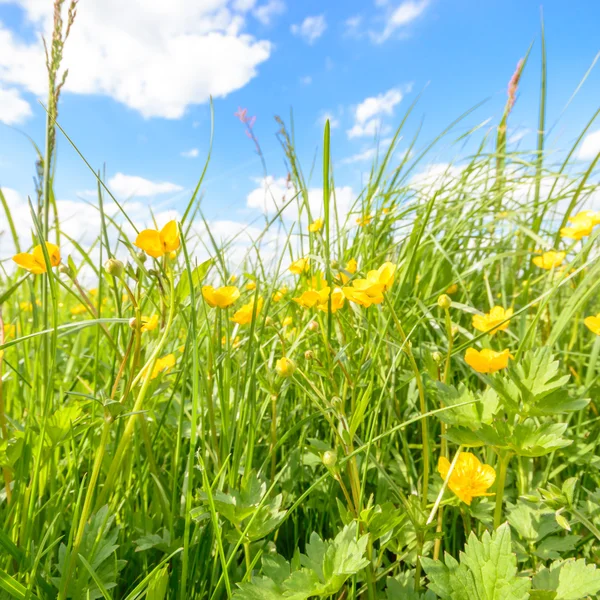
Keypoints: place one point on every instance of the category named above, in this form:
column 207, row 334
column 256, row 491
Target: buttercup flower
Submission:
column 234, row 342
column 351, row 267
column 163, row 365
column 470, row 478
column 9, row 330
column 251, row 285
column 316, row 225
column 593, row 323
column 309, row 298
column 362, row 221
column 486, row 360
column 490, row 322
column 337, row 300
column 370, row 290
column 34, row 262
column 158, row 243
column 244, row 315
column 299, row 266
column 222, row 297
column 287, row 321
column 582, row 225
column 549, row 260
column 279, row 294
column 149, row 324
column 452, row 289
column 79, row 309
column 285, row 367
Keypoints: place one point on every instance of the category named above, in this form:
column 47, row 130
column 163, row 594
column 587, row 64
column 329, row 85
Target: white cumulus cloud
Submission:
column 265, row 13
column 398, row 18
column 13, row 109
column 590, row 146
column 128, row 186
column 155, row 57
column 192, row 153
column 368, row 114
column 311, row 29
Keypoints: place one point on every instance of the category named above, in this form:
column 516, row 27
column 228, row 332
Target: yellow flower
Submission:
column 285, row 367
column 486, row 360
column 234, row 343
column 222, row 297
column 9, row 330
column 279, row 294
column 452, row 289
column 309, row 298
column 490, row 322
column 34, row 262
column 351, row 267
column 593, row 324
column 251, row 285
column 244, row 315
column 470, row 478
column 149, row 324
column 370, row 290
column 163, row 365
column 79, row 309
column 316, row 225
column 158, row 243
column 232, row 279
column 549, row 260
column 299, row 266
column 362, row 221
column 582, row 225
column 385, row 210
column 287, row 321
column 26, row 306
column 337, row 300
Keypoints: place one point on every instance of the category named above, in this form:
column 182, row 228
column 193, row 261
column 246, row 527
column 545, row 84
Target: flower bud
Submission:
column 173, row 255
column 444, row 301
column 309, row 355
column 329, row 458
column 285, row 367
column 268, row 321
column 114, row 267
column 437, row 357
column 141, row 256
column 313, row 326
column 133, row 323
column 335, row 264
column 64, row 269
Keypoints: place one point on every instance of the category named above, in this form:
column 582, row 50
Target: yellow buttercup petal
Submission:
column 150, row 242
column 470, row 478
column 169, row 236
column 27, row 261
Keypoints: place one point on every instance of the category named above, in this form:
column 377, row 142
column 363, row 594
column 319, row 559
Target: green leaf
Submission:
column 534, row 387
column 569, row 579
column 322, row 571
column 487, row 571
column 182, row 291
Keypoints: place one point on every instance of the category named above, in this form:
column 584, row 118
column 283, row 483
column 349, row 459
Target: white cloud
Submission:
column 13, row 109
column 369, row 129
column 127, row 186
column 368, row 114
column 306, row 80
column 266, row 12
column 311, row 29
column 353, row 26
column 518, row 135
column 273, row 194
column 590, row 146
column 333, row 120
column 398, row 18
column 155, row 57
column 192, row 153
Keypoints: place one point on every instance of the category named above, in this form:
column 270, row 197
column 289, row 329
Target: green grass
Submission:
column 211, row 479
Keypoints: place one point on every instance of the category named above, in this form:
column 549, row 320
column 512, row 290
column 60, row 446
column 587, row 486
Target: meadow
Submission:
column 394, row 401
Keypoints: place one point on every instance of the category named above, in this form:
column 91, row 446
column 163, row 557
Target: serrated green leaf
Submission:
column 569, row 579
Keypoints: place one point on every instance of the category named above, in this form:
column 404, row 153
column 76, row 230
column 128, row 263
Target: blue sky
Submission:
column 136, row 96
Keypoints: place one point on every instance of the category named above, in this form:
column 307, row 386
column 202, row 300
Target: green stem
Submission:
column 500, row 483
column 85, row 513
